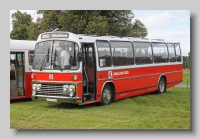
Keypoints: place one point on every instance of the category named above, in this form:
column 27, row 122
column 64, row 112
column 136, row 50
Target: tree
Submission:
column 119, row 21
column 20, row 22
column 33, row 30
column 49, row 21
column 138, row 29
column 185, row 63
column 97, row 25
column 96, row 22
column 188, row 60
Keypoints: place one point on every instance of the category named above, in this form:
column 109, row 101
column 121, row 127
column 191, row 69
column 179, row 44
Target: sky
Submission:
column 169, row 25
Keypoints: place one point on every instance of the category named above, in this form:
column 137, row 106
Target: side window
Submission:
column 30, row 56
column 143, row 53
column 104, row 56
column 178, row 52
column 122, row 53
column 20, row 59
column 172, row 56
column 160, row 53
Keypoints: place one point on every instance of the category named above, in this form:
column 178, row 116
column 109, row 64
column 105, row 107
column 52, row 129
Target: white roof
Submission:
column 93, row 38
column 22, row 44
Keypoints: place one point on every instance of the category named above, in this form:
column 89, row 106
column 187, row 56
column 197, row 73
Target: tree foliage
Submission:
column 23, row 27
column 138, row 29
column 95, row 22
column 20, row 22
column 188, row 60
column 50, row 20
column 33, row 30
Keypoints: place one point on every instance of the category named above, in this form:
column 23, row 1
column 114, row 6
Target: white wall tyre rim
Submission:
column 162, row 86
column 106, row 95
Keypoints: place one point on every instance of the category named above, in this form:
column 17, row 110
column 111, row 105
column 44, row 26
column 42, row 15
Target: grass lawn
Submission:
column 170, row 110
column 186, row 77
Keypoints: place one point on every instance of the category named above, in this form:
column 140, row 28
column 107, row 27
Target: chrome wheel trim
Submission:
column 162, row 86
column 106, row 95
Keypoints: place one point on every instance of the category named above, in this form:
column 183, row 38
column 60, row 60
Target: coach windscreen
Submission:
column 56, row 55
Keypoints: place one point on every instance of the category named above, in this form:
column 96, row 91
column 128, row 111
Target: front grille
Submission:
column 52, row 90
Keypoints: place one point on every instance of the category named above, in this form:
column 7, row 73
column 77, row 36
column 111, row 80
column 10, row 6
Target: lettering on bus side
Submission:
column 121, row 73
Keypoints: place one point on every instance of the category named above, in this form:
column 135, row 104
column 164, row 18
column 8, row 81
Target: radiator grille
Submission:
column 52, row 90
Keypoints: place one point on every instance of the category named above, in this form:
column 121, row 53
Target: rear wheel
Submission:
column 106, row 97
column 161, row 86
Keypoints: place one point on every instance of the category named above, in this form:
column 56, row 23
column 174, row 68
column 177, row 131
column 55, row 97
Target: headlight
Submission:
column 71, row 88
column 34, row 86
column 65, row 88
column 38, row 87
column 71, row 94
column 33, row 92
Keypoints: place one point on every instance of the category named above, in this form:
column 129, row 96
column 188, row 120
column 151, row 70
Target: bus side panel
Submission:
column 140, row 78
column 152, row 79
column 99, row 89
column 174, row 75
column 79, row 90
column 119, row 80
column 127, row 82
column 137, row 81
column 133, row 83
column 102, row 78
column 28, row 85
column 27, row 88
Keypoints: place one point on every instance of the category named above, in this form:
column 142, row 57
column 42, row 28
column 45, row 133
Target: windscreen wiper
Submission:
column 61, row 69
column 44, row 60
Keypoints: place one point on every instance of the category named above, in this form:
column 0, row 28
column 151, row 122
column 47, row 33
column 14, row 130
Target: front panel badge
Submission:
column 51, row 76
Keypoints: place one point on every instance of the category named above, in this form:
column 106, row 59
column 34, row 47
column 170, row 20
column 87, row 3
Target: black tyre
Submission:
column 106, row 97
column 161, row 86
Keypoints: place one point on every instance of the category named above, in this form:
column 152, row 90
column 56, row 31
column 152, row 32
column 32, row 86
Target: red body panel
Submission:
column 60, row 77
column 127, row 82
column 27, row 88
column 136, row 81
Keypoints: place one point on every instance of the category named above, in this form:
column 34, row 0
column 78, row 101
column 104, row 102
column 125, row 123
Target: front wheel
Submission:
column 106, row 97
column 161, row 86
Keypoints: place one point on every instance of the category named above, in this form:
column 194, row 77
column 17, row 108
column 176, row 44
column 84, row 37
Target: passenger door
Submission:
column 17, row 74
column 89, row 72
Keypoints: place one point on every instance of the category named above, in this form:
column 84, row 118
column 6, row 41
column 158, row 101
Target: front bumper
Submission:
column 73, row 100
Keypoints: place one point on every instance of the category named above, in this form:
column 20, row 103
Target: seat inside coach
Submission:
column 121, row 58
column 159, row 58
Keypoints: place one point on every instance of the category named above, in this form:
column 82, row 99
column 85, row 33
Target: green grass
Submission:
column 170, row 110
column 186, row 77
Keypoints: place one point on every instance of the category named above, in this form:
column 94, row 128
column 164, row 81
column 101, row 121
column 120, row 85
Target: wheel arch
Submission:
column 111, row 84
column 164, row 76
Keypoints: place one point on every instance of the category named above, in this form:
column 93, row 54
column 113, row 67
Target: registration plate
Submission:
column 51, row 100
